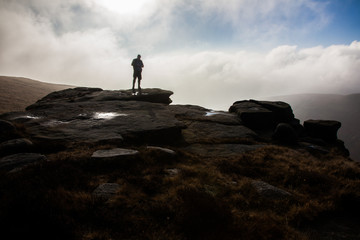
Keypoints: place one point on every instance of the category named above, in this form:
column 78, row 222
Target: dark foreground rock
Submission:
column 269, row 191
column 20, row 160
column 262, row 114
column 324, row 129
column 106, row 191
column 7, row 130
column 17, row 145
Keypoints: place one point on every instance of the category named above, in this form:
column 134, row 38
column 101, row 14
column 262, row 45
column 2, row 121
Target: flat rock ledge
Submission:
column 113, row 154
column 161, row 150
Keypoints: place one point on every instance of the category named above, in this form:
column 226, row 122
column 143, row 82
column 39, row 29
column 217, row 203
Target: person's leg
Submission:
column 139, row 81
column 133, row 86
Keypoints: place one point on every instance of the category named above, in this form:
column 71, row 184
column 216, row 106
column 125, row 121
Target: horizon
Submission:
column 208, row 53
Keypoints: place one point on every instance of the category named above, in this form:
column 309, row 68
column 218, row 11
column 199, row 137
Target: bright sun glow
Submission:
column 123, row 6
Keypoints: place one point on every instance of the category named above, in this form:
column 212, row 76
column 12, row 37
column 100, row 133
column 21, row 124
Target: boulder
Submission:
column 283, row 111
column 106, row 191
column 18, row 145
column 253, row 115
column 20, row 160
column 269, row 191
column 262, row 114
column 285, row 134
column 7, row 130
column 323, row 129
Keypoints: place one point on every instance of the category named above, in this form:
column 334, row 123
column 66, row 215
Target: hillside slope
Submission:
column 16, row 93
column 343, row 108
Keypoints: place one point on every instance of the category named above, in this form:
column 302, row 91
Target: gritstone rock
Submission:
column 20, row 160
column 7, row 130
column 102, row 117
column 106, row 190
column 18, row 145
column 114, row 154
column 324, row 129
column 269, row 191
column 212, row 132
column 284, row 133
column 161, row 150
column 262, row 114
column 99, row 117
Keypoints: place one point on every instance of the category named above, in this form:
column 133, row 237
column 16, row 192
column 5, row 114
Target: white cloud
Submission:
column 66, row 48
column 215, row 79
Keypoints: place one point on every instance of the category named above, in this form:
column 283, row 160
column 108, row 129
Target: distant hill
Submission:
column 343, row 108
column 16, row 93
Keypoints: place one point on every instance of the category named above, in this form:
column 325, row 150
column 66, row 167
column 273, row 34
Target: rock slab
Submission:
column 262, row 114
column 106, row 190
column 324, row 129
column 116, row 153
column 269, row 191
column 20, row 160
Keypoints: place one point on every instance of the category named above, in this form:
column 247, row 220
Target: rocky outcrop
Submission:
column 325, row 130
column 262, row 114
column 100, row 117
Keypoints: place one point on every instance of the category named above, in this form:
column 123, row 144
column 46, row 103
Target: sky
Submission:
column 208, row 52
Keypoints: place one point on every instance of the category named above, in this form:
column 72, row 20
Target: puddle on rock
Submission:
column 212, row 113
column 107, row 115
column 27, row 117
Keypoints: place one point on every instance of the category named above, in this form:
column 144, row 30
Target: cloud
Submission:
column 218, row 78
column 77, row 42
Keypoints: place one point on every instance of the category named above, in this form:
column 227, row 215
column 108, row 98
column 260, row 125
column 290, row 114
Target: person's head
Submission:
column 139, row 56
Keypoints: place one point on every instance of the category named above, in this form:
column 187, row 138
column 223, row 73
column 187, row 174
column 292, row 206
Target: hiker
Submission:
column 137, row 65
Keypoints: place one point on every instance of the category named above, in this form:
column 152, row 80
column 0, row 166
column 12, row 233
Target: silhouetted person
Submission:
column 137, row 65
